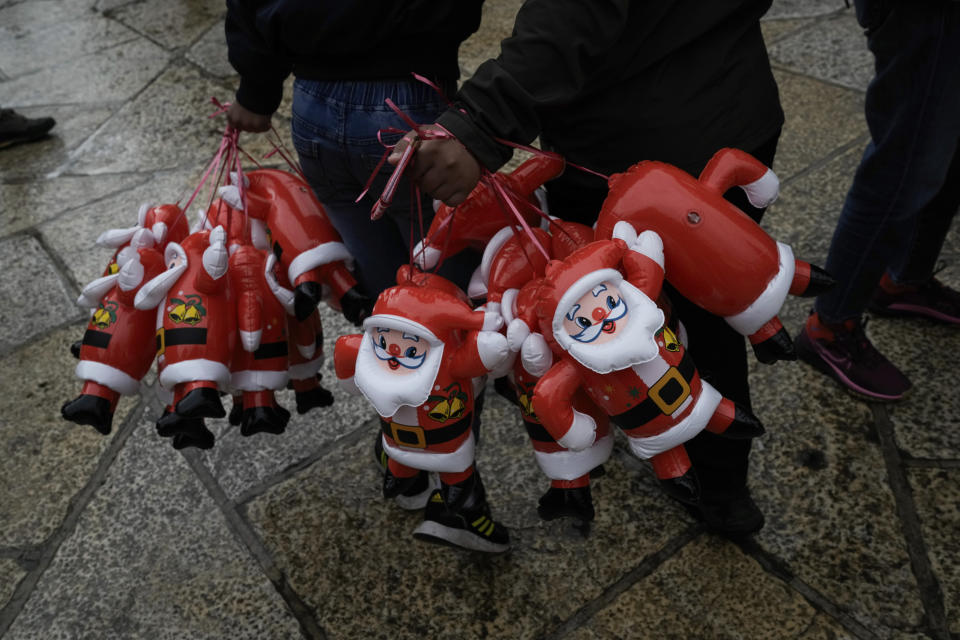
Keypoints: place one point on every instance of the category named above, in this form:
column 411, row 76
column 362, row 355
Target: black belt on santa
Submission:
column 419, row 438
column 670, row 391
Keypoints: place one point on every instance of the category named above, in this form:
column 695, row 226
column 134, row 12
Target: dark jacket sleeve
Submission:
column 555, row 46
column 262, row 68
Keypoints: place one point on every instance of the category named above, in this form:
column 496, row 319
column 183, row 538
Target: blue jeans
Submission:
column 334, row 130
column 906, row 190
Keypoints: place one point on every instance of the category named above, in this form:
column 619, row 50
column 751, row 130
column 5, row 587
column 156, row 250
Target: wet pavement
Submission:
column 287, row 536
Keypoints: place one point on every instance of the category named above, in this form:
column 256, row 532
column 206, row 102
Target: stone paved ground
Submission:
column 286, row 537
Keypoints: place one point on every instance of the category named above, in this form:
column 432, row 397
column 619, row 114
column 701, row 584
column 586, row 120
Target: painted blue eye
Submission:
column 583, row 322
column 611, row 302
column 383, row 342
column 411, row 352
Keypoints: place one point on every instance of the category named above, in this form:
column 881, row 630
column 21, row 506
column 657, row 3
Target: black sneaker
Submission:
column 932, row 300
column 444, row 522
column 15, row 128
column 572, row 503
column 844, row 353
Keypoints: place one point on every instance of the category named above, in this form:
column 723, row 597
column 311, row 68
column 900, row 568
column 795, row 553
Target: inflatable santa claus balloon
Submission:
column 415, row 363
column 717, row 256
column 615, row 346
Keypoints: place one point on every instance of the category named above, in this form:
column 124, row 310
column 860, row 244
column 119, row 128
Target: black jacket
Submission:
column 342, row 39
column 610, row 82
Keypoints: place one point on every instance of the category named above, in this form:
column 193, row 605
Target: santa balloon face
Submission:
column 595, row 316
column 399, row 352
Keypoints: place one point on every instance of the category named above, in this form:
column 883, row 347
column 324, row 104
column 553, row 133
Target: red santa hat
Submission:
column 568, row 280
column 431, row 312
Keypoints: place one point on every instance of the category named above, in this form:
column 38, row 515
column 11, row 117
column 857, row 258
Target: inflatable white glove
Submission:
column 216, row 257
column 581, row 434
column 535, row 355
column 492, row 348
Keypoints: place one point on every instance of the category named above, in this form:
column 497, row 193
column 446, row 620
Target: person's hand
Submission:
column 441, row 167
column 242, row 119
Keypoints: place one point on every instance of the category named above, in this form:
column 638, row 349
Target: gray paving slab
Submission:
column 805, row 214
column 163, row 127
column 777, row 28
column 812, row 132
column 803, row 8
column 170, row 24
column 350, row 555
column 927, row 422
column 46, row 460
column 210, row 52
column 10, row 575
column 33, row 296
column 937, row 492
column 113, row 74
column 72, row 235
column 152, row 557
column 834, row 49
column 30, row 46
column 710, row 589
column 821, row 480
column 27, row 204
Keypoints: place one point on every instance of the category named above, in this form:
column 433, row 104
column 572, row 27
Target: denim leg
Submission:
column 338, row 131
column 918, row 263
column 913, row 112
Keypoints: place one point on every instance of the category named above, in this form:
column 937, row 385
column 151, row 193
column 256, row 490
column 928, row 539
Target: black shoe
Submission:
column 735, row 518
column 264, row 420
column 170, row 424
column 410, row 493
column 15, row 128
column 447, row 520
column 560, row 503
column 75, row 348
column 745, row 425
column 316, row 397
column 202, row 402
column 685, row 488
column 356, row 306
column 89, row 409
column 198, row 436
column 306, row 297
column 779, row 346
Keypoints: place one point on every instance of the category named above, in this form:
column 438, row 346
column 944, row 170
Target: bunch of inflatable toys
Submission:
column 570, row 321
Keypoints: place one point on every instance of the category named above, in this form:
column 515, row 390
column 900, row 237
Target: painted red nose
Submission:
column 393, row 349
column 599, row 314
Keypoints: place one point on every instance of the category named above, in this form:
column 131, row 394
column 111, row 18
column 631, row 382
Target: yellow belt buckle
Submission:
column 421, row 442
column 162, row 339
column 654, row 392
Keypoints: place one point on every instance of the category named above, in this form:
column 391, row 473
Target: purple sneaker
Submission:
column 931, row 299
column 844, row 353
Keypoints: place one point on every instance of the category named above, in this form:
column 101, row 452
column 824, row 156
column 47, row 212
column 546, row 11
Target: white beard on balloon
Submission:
column 610, row 327
column 397, row 363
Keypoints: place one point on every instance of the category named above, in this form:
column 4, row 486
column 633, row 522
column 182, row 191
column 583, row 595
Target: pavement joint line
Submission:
column 776, row 567
column 824, row 160
column 949, row 464
column 246, row 536
column 647, row 566
column 295, row 468
column 78, row 503
column 779, row 66
column 931, row 595
column 81, row 148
